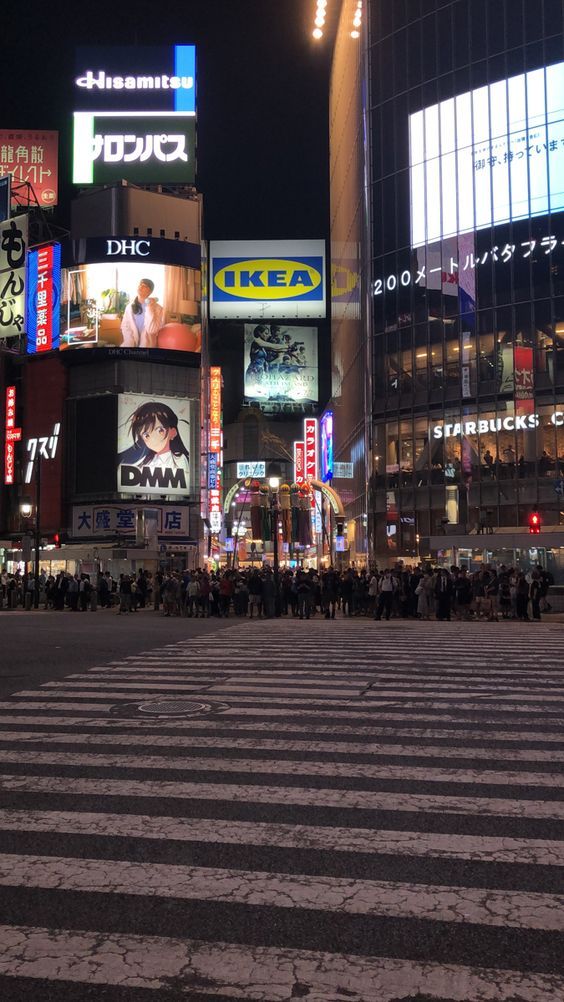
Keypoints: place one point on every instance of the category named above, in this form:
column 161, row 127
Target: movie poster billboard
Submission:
column 127, row 304
column 281, row 367
column 153, row 445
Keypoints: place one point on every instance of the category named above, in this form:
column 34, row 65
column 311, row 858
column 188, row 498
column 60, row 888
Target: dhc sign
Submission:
column 259, row 280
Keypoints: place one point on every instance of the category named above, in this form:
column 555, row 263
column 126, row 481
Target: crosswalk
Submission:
column 339, row 812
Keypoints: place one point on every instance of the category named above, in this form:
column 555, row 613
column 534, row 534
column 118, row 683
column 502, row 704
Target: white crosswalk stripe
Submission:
column 361, row 811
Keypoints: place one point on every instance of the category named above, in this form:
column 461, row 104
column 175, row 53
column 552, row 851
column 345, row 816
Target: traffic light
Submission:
column 57, row 540
column 534, row 523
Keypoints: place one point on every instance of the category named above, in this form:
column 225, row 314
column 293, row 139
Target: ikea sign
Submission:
column 258, row 280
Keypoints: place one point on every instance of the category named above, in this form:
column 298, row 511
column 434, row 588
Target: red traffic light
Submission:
column 534, row 522
column 57, row 540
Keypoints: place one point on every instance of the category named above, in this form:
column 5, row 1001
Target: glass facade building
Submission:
column 465, row 196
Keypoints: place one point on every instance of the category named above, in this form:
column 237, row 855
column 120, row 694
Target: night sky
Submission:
column 262, row 99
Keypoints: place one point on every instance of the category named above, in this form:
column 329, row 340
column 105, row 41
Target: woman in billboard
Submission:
column 158, row 452
column 143, row 318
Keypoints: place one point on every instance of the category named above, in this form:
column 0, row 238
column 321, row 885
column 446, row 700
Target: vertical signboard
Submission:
column 4, row 197
column 311, row 448
column 12, row 435
column 214, row 463
column 13, row 248
column 299, row 462
column 327, row 446
column 43, row 298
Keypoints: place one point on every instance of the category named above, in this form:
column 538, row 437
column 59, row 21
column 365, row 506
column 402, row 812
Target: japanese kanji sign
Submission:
column 215, row 409
column 12, row 435
column 32, row 157
column 43, row 298
column 13, row 248
column 121, row 519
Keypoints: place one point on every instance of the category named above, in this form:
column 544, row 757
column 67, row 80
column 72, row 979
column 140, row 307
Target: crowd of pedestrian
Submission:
column 404, row 592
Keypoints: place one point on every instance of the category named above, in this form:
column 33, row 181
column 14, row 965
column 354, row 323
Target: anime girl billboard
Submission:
column 153, row 445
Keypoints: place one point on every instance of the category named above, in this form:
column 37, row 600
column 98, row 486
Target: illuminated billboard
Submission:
column 150, row 148
column 153, row 445
column 13, row 248
column 134, row 115
column 43, row 298
column 281, row 366
column 121, row 295
column 136, row 78
column 267, row 279
column 488, row 156
column 31, row 156
column 326, row 431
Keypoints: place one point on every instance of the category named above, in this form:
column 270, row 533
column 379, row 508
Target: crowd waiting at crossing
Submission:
column 403, row 592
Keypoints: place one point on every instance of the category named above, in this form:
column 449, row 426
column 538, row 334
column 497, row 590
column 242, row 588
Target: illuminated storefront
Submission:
column 465, row 116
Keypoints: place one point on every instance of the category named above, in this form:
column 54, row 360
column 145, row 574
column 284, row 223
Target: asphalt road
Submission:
column 341, row 811
column 43, row 645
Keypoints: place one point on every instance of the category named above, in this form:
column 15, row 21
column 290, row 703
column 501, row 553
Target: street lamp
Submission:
column 26, row 509
column 274, row 484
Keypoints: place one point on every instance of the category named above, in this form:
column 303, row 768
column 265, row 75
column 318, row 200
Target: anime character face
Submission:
column 158, row 438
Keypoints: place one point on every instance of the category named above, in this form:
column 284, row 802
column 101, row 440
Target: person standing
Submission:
column 124, row 594
column 385, row 595
column 255, row 594
column 536, row 593
column 143, row 318
column 443, row 594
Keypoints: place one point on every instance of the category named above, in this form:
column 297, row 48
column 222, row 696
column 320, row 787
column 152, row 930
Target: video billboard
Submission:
column 134, row 115
column 274, row 279
column 488, row 156
column 120, row 295
column 32, row 156
column 153, row 445
column 281, row 366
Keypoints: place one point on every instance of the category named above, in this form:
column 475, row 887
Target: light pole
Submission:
column 274, row 484
column 37, row 530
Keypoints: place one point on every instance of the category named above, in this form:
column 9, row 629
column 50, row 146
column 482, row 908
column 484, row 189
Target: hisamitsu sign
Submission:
column 262, row 279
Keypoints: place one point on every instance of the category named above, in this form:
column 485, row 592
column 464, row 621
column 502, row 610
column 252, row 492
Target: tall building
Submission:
column 447, row 139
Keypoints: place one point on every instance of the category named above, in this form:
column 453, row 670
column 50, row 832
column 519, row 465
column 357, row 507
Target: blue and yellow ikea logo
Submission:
column 240, row 279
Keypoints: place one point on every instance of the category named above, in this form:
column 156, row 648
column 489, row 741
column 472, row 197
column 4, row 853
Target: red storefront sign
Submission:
column 215, row 408
column 299, row 462
column 31, row 156
column 524, row 380
column 12, row 435
column 311, row 450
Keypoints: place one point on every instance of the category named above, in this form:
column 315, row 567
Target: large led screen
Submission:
column 119, row 304
column 153, row 445
column 489, row 156
column 281, row 365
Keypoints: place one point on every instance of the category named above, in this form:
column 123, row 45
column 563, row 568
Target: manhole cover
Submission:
column 156, row 709
column 174, row 707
